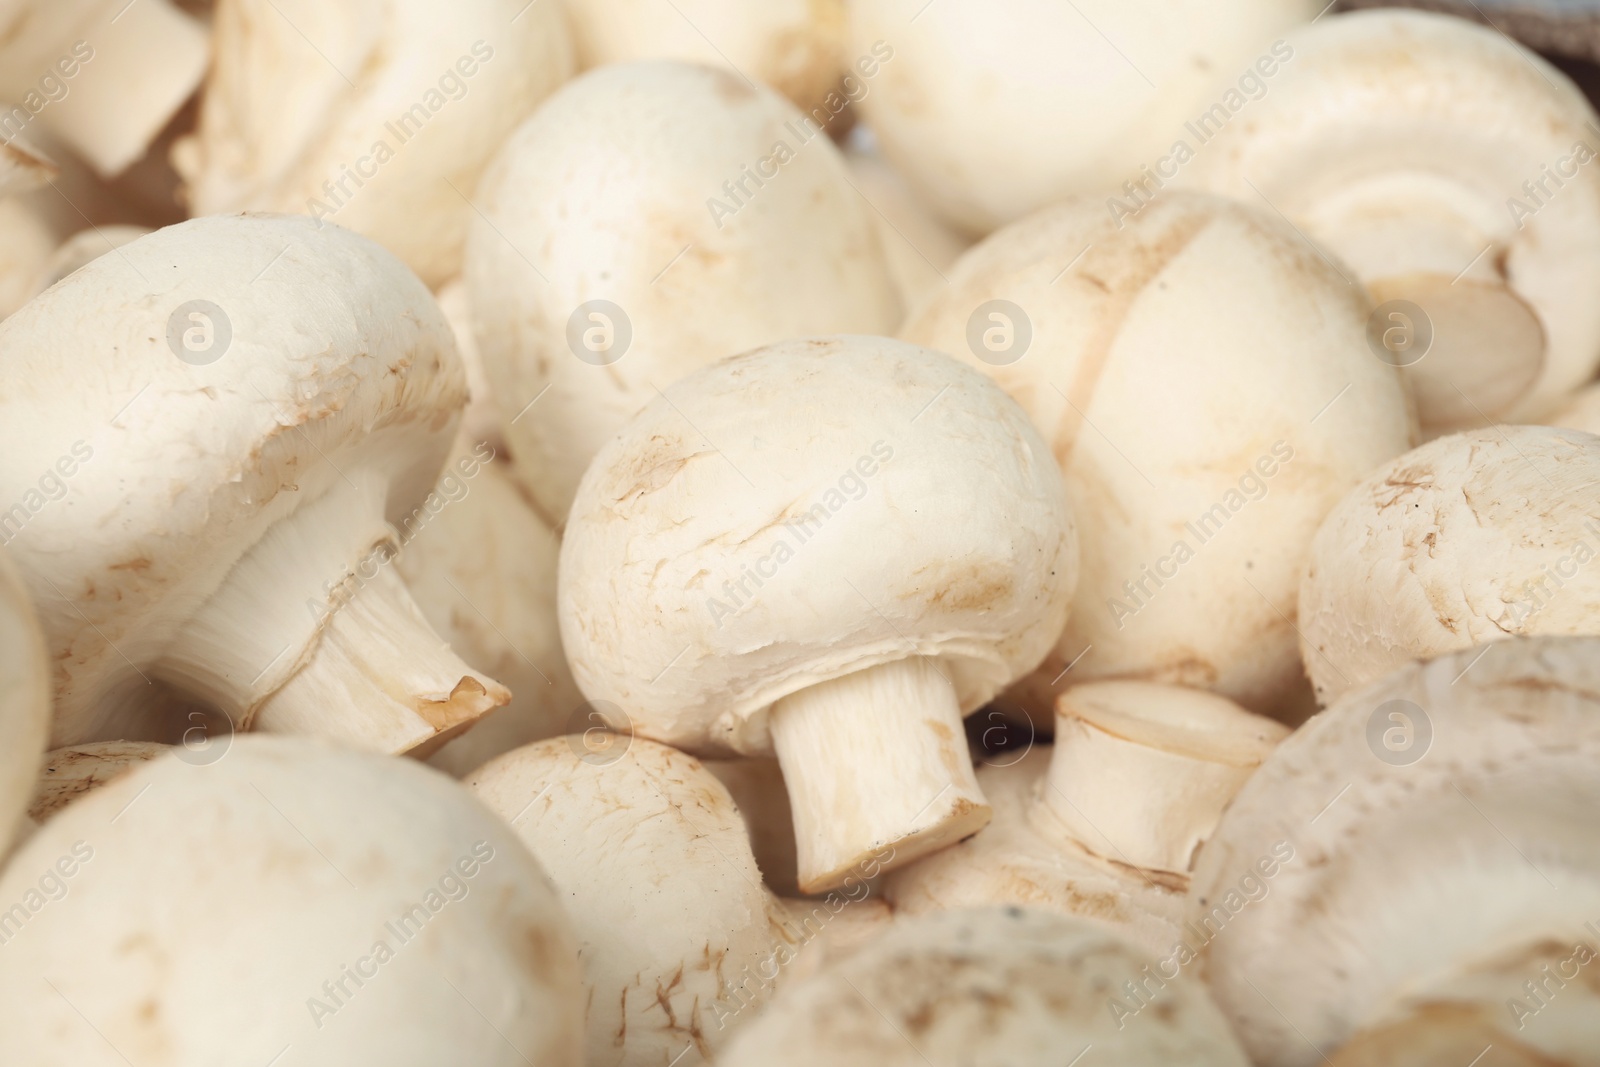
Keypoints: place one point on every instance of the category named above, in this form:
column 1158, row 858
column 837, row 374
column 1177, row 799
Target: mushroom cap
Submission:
column 961, row 102
column 1025, row 857
column 983, row 988
column 1184, row 722
column 378, row 114
column 607, row 195
column 1470, row 538
column 1582, row 411
column 1461, row 846
column 1183, row 412
column 1427, row 109
column 24, row 700
column 334, row 363
column 795, row 46
column 890, row 502
column 208, row 905
column 648, row 852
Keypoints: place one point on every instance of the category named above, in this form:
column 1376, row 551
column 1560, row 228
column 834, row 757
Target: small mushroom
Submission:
column 678, row 937
column 1451, row 169
column 1203, row 378
column 1106, row 823
column 639, row 191
column 1582, row 411
column 998, row 109
column 103, row 76
column 1471, row 538
column 827, row 550
column 74, row 772
column 255, row 402
column 380, row 115
column 24, row 701
column 989, row 987
column 354, row 908
column 1413, row 877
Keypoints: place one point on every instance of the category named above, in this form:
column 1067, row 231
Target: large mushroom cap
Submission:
column 1405, row 872
column 1202, row 375
column 24, row 700
column 1470, row 538
column 1000, row 987
column 804, row 512
column 351, row 908
column 639, row 191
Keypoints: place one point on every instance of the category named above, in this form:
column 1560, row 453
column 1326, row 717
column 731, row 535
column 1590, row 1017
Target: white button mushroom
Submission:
column 1451, row 169
column 678, row 937
column 24, row 700
column 1414, row 876
column 287, row 896
column 829, row 550
column 1470, row 538
column 996, row 109
column 253, row 401
column 1203, row 377
column 1000, row 987
column 380, row 115
column 652, row 218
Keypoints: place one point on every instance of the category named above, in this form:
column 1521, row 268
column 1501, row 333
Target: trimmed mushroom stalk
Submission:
column 680, row 942
column 774, row 595
column 72, row 773
column 986, row 986
column 127, row 69
column 1445, row 876
column 318, row 883
column 1449, row 167
column 313, row 385
column 24, row 701
column 1203, row 377
column 721, row 198
column 377, row 115
column 1469, row 539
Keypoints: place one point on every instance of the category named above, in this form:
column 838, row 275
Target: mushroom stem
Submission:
column 877, row 769
column 147, row 61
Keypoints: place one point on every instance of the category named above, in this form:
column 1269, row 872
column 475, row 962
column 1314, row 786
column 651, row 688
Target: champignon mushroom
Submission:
column 380, row 115
column 24, row 701
column 254, row 401
column 961, row 104
column 71, row 773
column 1203, row 377
column 678, row 937
column 103, row 76
column 1582, row 411
column 638, row 191
column 1414, row 877
column 482, row 568
column 354, row 908
column 1449, row 167
column 1470, row 538
column 990, row 987
column 795, row 46
column 1106, row 823
column 828, row 550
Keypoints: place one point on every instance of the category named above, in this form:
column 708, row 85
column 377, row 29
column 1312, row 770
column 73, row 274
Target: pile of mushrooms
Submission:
column 645, row 533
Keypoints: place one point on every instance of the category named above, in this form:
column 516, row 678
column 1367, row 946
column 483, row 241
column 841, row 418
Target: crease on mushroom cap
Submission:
column 962, row 101
column 986, row 987
column 73, row 772
column 481, row 565
column 1448, row 167
column 24, row 702
column 794, row 46
column 680, row 941
column 1203, row 377
column 126, row 70
column 1105, row 823
column 1439, row 865
column 1470, row 538
column 357, row 907
column 380, row 115
column 617, row 206
column 241, row 498
column 876, row 543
